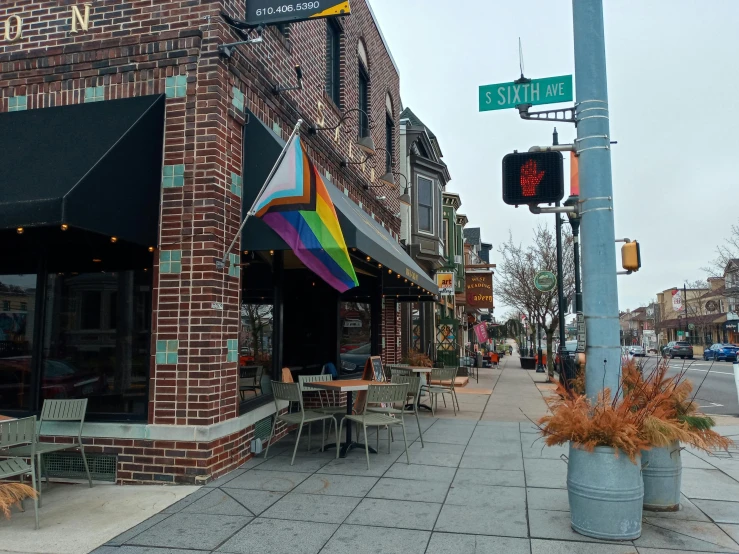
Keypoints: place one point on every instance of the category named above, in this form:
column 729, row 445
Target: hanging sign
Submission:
column 545, row 281
column 271, row 12
column 445, row 282
column 481, row 332
column 479, row 290
column 677, row 300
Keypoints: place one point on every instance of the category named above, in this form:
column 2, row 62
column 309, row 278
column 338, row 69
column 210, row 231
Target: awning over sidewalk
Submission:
column 95, row 167
column 261, row 148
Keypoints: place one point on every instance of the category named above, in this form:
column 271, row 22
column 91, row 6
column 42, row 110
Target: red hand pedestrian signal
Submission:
column 530, row 178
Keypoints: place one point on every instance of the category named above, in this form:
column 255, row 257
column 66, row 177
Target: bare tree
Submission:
column 725, row 252
column 514, row 279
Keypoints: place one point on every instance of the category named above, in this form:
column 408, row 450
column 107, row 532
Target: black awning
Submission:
column 261, row 148
column 95, row 167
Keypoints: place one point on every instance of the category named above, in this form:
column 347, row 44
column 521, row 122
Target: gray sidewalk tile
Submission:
column 435, row 454
column 687, row 511
column 275, row 481
column 494, row 498
column 145, row 550
column 694, row 462
column 709, row 484
column 253, row 500
column 337, row 485
column 223, row 479
column 355, row 463
column 447, row 437
column 501, row 478
column 548, row 499
column 406, row 489
column 545, row 474
column 185, row 530
column 357, row 539
column 508, row 461
column 540, row 450
column 278, row 536
column 685, row 535
column 185, row 502
column 720, row 511
column 136, row 530
column 395, row 513
column 420, row 472
column 539, row 546
column 302, row 464
column 312, row 507
column 455, row 543
column 500, row 522
column 552, row 524
column 731, row 530
column 217, row 502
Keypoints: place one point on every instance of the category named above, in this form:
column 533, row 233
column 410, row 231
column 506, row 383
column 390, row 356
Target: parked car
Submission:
column 637, row 350
column 354, row 360
column 678, row 348
column 570, row 348
column 719, row 351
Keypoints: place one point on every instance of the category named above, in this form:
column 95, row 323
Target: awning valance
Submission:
column 95, row 167
column 261, row 148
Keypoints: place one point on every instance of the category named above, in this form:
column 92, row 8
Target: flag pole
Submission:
column 220, row 264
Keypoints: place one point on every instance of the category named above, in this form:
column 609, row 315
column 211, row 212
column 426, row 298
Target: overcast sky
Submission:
column 672, row 84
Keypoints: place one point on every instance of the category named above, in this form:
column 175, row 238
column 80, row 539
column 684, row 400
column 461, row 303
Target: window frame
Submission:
column 363, row 101
column 419, row 205
column 445, row 237
column 389, row 141
column 332, row 77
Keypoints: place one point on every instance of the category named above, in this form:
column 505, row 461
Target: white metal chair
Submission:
column 442, row 382
column 380, row 394
column 290, row 392
column 55, row 411
column 13, row 434
column 328, row 400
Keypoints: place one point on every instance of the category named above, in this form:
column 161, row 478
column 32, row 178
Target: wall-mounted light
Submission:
column 64, row 226
column 19, row 230
column 365, row 144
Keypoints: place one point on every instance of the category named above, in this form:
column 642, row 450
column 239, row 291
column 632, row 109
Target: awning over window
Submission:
column 95, row 167
column 261, row 148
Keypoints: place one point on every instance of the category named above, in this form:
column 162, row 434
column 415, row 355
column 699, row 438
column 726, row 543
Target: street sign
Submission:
column 545, row 281
column 271, row 12
column 549, row 90
column 691, row 326
column 580, row 332
column 533, row 178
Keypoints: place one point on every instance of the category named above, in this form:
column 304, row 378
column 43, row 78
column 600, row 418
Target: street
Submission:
column 717, row 394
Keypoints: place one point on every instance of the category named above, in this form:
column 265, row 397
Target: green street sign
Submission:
column 691, row 326
column 549, row 90
column 545, row 281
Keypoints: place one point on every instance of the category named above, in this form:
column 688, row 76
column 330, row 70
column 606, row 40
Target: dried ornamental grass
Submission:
column 13, row 493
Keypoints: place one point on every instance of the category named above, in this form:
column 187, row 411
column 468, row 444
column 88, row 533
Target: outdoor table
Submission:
column 5, row 418
column 348, row 386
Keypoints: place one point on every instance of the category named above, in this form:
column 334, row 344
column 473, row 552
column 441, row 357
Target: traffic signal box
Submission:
column 533, row 178
column 631, row 256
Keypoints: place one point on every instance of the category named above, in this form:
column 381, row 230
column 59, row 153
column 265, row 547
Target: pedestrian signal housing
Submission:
column 533, row 178
column 631, row 256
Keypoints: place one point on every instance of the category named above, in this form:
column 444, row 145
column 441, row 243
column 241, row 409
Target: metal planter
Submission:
column 662, row 470
column 606, row 493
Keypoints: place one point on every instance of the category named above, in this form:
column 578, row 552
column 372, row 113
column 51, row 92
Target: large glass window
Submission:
column 333, row 61
column 255, row 350
column 96, row 339
column 388, row 144
column 18, row 297
column 363, row 102
column 356, row 335
column 425, row 204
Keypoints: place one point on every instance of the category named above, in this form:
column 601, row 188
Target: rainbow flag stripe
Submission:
column 297, row 206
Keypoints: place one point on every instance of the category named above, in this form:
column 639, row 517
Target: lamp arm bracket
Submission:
column 624, row 272
column 534, row 209
column 566, row 115
column 624, row 240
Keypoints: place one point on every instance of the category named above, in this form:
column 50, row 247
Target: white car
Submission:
column 637, row 351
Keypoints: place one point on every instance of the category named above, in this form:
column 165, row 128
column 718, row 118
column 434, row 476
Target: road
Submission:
column 718, row 394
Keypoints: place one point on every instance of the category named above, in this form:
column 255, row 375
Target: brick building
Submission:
column 134, row 147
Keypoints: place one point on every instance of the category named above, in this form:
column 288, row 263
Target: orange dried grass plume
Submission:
column 12, row 493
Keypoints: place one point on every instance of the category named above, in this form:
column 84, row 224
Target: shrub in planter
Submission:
column 415, row 358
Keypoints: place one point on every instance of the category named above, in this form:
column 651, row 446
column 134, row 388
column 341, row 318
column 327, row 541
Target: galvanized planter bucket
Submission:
column 606, row 493
column 662, row 469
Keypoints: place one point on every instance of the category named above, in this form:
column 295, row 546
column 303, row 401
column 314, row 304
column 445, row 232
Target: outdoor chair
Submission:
column 330, row 405
column 290, row 392
column 250, row 377
column 15, row 433
column 442, row 382
column 399, row 370
column 380, row 394
column 71, row 411
column 409, row 407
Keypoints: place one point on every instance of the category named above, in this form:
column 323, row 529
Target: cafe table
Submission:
column 349, row 386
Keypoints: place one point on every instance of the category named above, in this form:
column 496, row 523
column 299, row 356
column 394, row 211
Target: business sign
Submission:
column 533, row 178
column 545, row 281
column 479, row 290
column 270, row 12
column 445, row 282
column 481, row 332
column 549, row 90
column 677, row 300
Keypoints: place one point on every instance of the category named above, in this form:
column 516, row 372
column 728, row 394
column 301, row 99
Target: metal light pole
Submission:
column 685, row 306
column 563, row 377
column 600, row 297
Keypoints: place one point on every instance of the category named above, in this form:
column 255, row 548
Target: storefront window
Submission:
column 355, row 346
column 255, row 350
column 97, row 339
column 17, row 294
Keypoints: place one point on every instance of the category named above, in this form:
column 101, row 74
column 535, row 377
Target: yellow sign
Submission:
column 445, row 282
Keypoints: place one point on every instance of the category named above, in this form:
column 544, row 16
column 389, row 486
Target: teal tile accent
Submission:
column 176, row 87
column 95, row 94
column 17, row 103
column 277, row 129
column 236, row 184
column 238, row 99
column 233, row 269
column 173, row 176
column 167, row 351
column 233, row 350
column 170, row 261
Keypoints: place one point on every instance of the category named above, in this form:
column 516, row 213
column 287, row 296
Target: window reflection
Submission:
column 255, row 349
column 18, row 301
column 356, row 335
column 96, row 339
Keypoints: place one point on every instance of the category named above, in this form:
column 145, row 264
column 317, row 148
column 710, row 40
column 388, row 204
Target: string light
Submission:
column 379, row 265
column 19, row 230
column 151, row 249
column 368, row 258
column 389, row 271
column 271, row 252
column 96, row 260
column 113, row 239
column 65, row 226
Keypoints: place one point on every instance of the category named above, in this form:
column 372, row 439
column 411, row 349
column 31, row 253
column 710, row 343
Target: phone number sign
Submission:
column 270, row 12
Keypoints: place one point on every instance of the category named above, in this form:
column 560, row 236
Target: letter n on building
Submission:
column 79, row 19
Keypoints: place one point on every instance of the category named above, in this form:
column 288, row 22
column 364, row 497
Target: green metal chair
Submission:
column 328, row 399
column 413, row 381
column 290, row 392
column 70, row 411
column 442, row 375
column 399, row 370
column 15, row 433
column 380, row 394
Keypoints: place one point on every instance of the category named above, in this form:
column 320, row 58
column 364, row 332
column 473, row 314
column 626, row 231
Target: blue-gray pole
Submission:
column 600, row 293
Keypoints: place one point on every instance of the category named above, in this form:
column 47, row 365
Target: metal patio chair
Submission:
column 55, row 411
column 15, row 433
column 380, row 394
column 413, row 381
column 328, row 399
column 442, row 382
column 290, row 392
column 250, row 377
